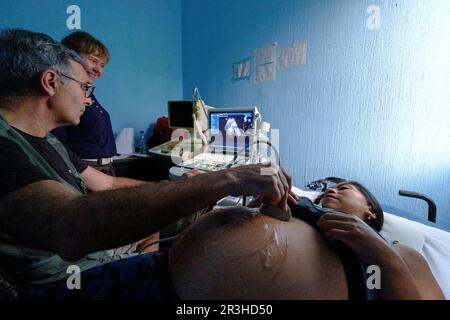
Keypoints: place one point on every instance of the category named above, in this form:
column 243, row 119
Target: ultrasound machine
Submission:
column 210, row 140
column 229, row 135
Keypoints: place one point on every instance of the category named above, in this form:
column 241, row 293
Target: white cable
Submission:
column 196, row 97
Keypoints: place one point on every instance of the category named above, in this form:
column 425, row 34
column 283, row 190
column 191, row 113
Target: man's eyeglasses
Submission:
column 87, row 87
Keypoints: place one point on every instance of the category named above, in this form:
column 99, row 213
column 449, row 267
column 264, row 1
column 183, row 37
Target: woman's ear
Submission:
column 49, row 81
column 368, row 214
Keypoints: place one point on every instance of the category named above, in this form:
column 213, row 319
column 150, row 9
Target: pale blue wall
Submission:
column 144, row 39
column 368, row 105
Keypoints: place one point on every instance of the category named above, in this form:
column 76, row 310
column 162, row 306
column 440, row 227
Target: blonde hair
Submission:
column 82, row 42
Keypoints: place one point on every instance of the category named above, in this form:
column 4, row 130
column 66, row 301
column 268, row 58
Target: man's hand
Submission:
column 258, row 200
column 268, row 181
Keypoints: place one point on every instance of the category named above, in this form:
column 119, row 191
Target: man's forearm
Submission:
column 113, row 218
column 98, row 181
column 120, row 182
column 49, row 216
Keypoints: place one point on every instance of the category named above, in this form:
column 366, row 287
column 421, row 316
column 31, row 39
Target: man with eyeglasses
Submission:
column 87, row 87
column 49, row 222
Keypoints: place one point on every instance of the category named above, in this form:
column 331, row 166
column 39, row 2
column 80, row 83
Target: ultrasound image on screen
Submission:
column 231, row 127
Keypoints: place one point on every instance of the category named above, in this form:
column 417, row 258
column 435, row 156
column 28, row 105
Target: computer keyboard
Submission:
column 168, row 146
column 214, row 158
column 209, row 161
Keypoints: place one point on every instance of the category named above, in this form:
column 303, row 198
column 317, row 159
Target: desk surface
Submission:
column 148, row 168
column 131, row 156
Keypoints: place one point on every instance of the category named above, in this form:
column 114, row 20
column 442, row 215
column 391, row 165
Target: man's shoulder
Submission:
column 16, row 170
column 7, row 145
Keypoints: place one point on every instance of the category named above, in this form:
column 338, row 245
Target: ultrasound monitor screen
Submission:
column 180, row 114
column 228, row 129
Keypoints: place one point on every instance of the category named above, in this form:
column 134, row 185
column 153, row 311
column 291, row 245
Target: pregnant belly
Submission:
column 236, row 253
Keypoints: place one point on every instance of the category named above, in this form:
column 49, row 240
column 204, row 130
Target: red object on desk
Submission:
column 161, row 133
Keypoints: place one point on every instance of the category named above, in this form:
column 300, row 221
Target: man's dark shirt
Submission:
column 16, row 170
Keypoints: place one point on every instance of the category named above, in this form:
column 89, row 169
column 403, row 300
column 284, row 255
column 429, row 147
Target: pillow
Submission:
column 404, row 231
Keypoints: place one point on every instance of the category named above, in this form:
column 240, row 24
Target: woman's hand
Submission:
column 397, row 281
column 357, row 234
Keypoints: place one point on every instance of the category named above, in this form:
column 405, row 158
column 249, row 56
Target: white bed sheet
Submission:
column 436, row 251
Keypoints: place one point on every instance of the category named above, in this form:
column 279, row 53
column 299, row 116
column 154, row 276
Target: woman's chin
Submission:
column 92, row 77
column 328, row 203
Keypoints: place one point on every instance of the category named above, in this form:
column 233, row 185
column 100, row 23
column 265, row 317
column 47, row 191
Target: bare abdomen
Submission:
column 231, row 254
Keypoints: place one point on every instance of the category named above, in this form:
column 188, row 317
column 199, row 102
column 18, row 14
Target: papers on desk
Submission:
column 125, row 141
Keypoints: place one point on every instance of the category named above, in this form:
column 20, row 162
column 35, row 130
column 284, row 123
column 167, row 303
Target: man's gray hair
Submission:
column 24, row 55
